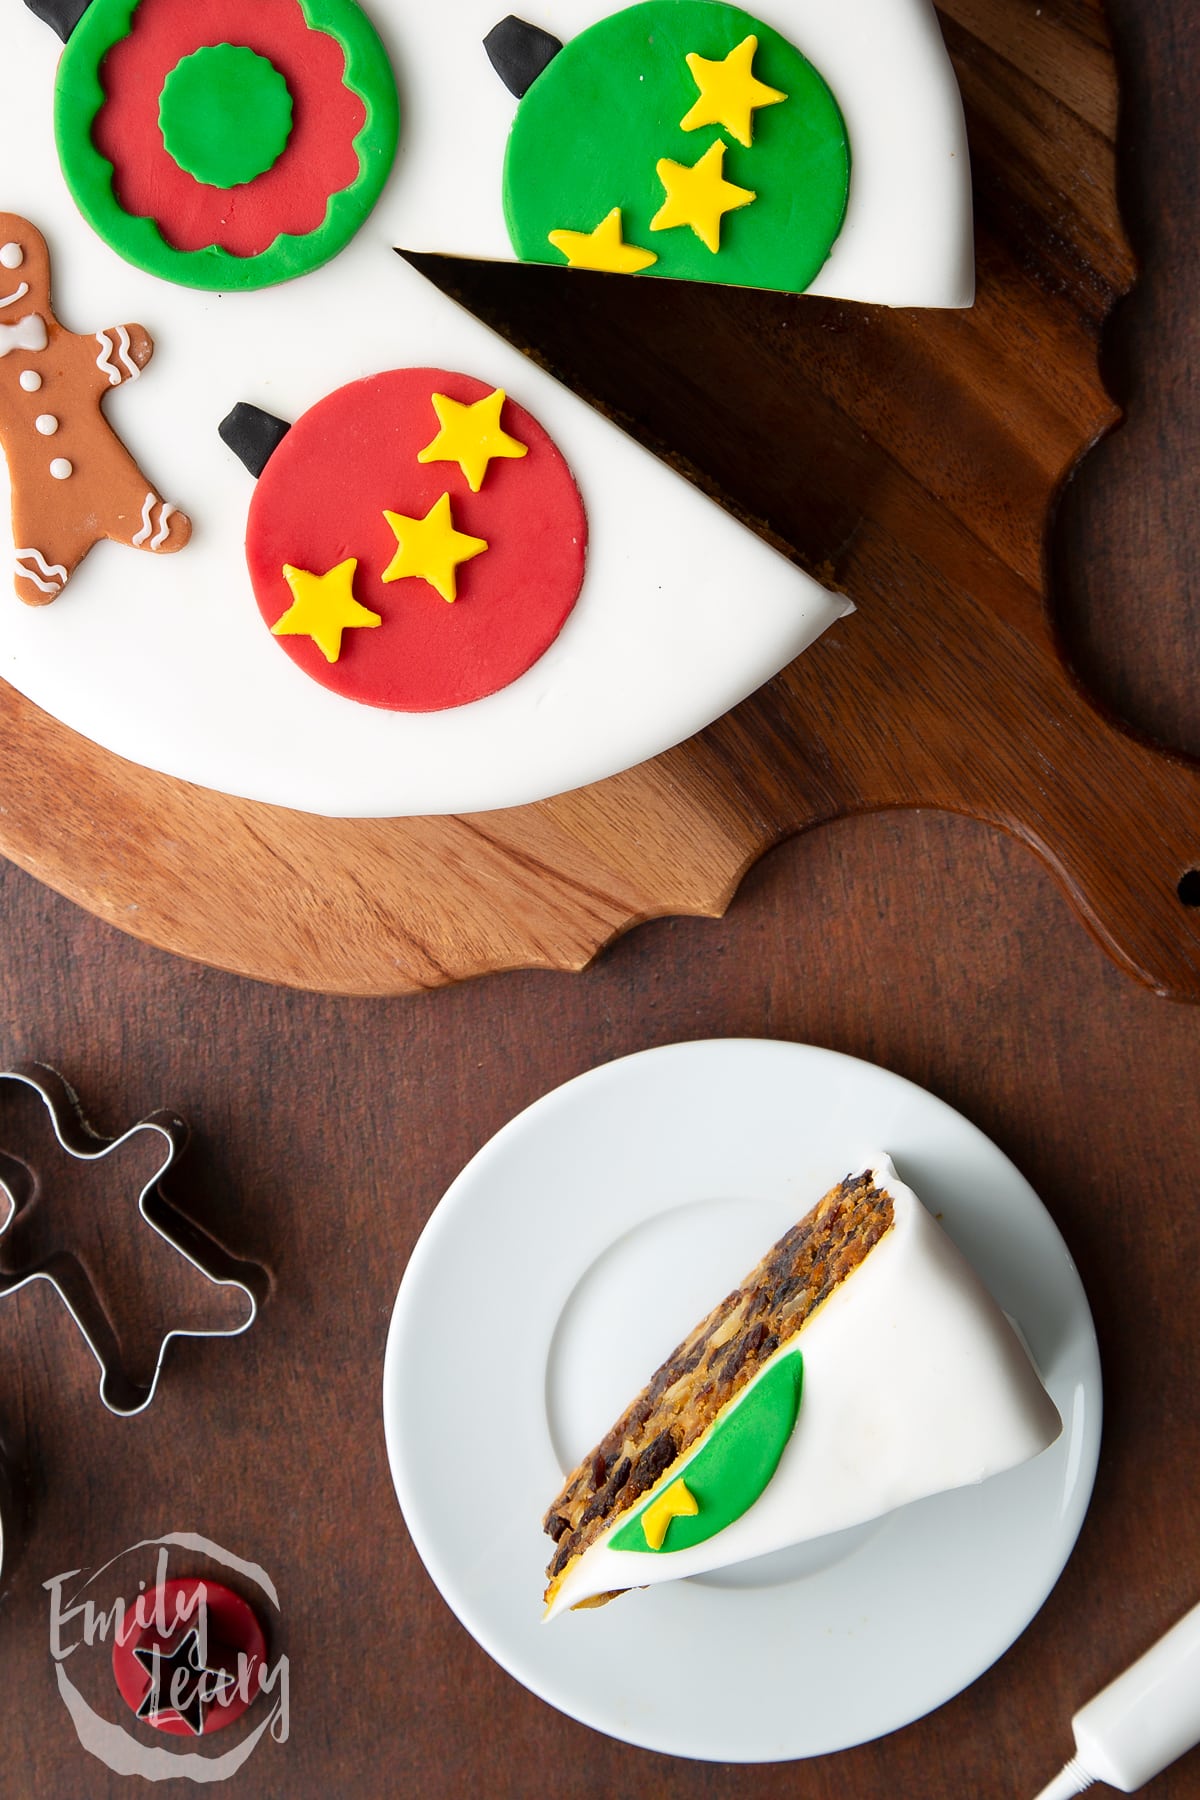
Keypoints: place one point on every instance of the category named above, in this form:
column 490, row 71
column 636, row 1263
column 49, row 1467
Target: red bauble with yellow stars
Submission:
column 416, row 541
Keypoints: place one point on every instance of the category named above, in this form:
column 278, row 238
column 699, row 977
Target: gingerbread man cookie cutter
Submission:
column 121, row 1393
column 73, row 481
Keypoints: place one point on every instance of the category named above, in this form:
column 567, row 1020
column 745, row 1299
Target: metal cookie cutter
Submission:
column 121, row 1394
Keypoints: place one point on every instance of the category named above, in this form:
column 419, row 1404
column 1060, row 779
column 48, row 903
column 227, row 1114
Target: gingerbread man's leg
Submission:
column 133, row 512
column 102, row 494
column 47, row 549
column 144, row 520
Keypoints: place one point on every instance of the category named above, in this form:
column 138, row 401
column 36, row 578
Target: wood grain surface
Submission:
column 911, row 459
column 327, row 1128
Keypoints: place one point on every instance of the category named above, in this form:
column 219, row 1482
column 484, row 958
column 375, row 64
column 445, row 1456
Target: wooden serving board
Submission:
column 911, row 459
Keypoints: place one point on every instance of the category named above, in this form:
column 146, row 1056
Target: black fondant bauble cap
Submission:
column 519, row 52
column 253, row 435
column 62, row 16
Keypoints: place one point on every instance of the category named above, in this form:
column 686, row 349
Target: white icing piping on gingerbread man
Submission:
column 28, row 333
column 55, row 574
column 104, row 360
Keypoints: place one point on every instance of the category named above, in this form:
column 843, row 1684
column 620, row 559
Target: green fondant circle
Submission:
column 591, row 129
column 79, row 95
column 225, row 114
column 734, row 1464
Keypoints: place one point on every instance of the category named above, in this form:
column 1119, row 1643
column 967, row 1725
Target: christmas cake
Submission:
column 455, row 586
column 861, row 1365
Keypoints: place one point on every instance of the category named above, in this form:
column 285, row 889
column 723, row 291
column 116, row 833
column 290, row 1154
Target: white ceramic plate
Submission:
column 571, row 1255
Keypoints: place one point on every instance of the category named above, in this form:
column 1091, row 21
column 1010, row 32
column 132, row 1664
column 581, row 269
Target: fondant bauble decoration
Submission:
column 416, row 540
column 220, row 144
column 718, row 147
column 73, row 482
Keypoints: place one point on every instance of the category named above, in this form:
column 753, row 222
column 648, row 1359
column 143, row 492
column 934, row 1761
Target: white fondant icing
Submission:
column 908, row 235
column 18, row 293
column 28, row 333
column 47, row 424
column 61, row 469
column 11, row 256
column 30, row 380
column 914, row 1382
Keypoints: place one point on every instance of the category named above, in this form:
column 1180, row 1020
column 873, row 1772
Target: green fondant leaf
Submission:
column 732, row 1468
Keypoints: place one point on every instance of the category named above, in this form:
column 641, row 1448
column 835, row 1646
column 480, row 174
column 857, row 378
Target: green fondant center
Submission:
column 731, row 1469
column 225, row 114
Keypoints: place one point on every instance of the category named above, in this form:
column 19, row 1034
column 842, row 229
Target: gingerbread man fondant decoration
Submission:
column 73, row 481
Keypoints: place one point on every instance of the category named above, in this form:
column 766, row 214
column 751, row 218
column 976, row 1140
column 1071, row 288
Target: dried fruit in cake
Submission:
column 860, row 1365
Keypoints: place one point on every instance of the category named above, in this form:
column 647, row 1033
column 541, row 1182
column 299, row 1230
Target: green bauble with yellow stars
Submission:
column 680, row 138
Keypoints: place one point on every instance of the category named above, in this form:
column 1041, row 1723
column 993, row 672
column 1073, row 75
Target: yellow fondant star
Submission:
column 699, row 196
column 431, row 548
column 603, row 248
column 675, row 1502
column 323, row 606
column 471, row 436
column 729, row 92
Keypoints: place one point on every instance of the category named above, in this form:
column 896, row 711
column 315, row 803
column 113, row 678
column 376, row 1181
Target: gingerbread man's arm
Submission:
column 122, row 352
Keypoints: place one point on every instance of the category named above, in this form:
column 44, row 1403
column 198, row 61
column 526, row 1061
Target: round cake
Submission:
column 237, row 180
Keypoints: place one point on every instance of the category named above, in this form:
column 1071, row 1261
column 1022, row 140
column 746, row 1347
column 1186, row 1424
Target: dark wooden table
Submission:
column 328, row 1128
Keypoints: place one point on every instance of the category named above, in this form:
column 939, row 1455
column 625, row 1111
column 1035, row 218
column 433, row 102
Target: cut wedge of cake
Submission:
column 861, row 1365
